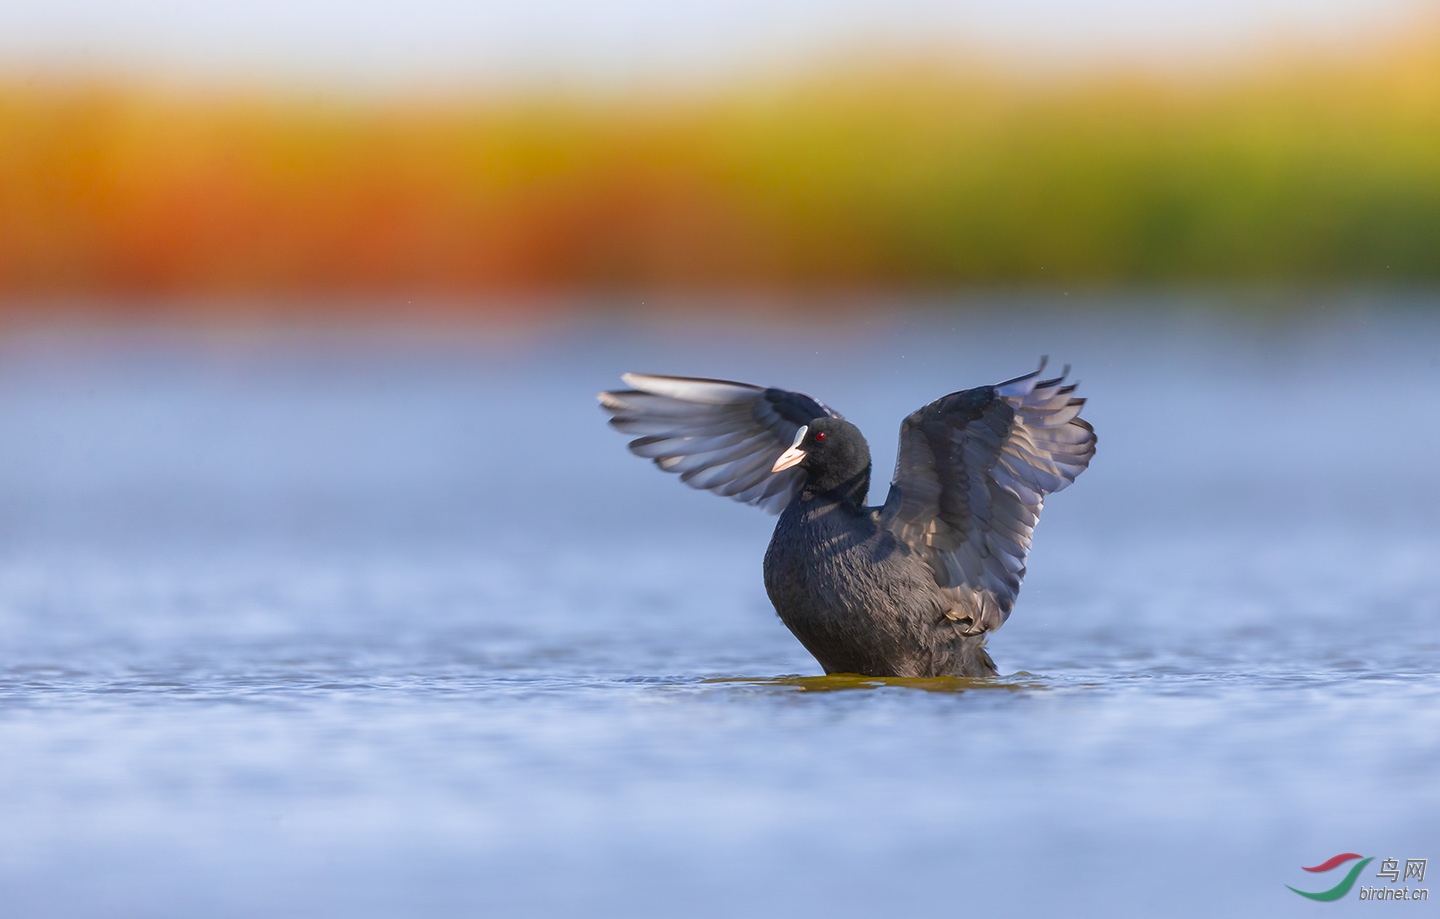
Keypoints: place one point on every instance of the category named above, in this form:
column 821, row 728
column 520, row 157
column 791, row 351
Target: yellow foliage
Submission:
column 920, row 174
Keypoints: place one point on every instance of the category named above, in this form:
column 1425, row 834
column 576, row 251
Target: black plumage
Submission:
column 910, row 588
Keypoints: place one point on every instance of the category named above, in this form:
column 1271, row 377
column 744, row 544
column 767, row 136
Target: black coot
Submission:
column 910, row 588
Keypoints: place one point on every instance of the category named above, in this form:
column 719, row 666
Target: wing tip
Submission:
column 614, row 400
column 1031, row 377
column 694, row 390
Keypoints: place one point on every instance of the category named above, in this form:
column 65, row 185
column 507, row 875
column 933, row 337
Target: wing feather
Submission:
column 717, row 435
column 973, row 471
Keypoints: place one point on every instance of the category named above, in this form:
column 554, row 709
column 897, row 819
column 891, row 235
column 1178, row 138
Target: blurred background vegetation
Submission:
column 902, row 172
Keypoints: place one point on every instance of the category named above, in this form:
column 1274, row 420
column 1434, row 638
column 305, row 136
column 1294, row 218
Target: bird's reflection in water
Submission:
column 840, row 682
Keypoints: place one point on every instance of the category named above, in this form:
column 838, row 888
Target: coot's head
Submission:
column 834, row 453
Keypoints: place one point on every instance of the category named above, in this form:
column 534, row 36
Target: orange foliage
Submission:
column 901, row 175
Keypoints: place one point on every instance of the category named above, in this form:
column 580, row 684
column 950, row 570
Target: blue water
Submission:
column 385, row 622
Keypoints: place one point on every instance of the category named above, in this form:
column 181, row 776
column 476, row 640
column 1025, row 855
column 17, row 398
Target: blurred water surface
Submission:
column 388, row 623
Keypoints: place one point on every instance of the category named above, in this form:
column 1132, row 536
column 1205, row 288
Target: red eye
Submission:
column 819, row 436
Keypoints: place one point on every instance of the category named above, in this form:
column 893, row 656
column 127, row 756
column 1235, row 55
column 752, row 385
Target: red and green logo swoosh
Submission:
column 1342, row 888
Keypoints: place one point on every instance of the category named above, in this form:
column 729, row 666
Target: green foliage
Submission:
column 914, row 175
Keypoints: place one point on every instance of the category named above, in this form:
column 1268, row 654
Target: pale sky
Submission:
column 379, row 43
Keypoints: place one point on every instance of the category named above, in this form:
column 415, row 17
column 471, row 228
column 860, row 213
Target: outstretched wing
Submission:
column 718, row 435
column 972, row 475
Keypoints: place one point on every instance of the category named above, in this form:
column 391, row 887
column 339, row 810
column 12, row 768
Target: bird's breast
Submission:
column 835, row 575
